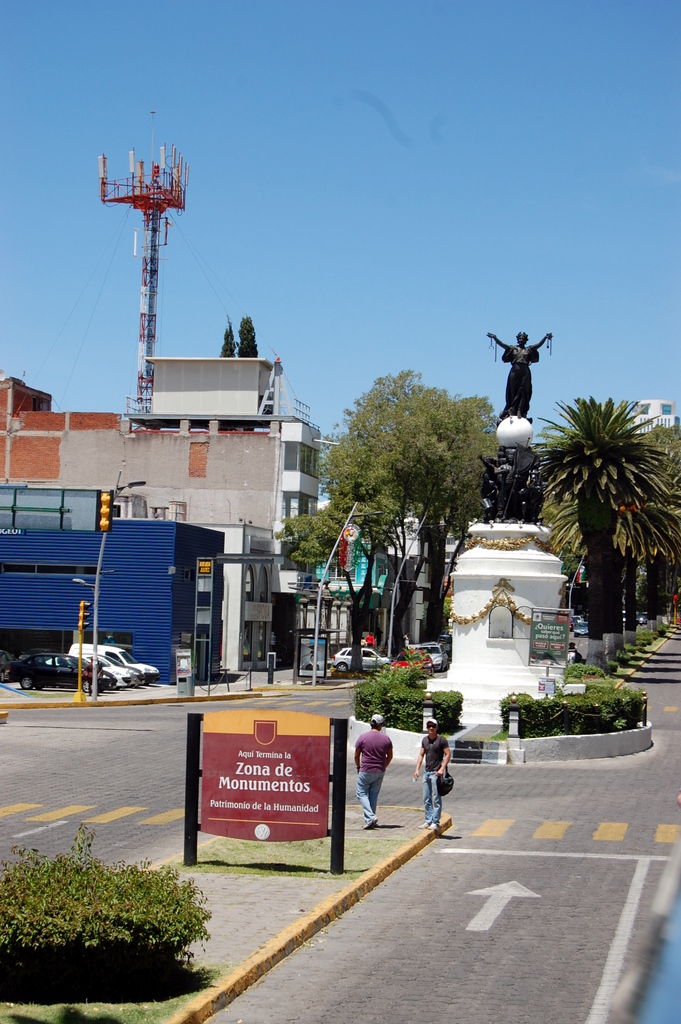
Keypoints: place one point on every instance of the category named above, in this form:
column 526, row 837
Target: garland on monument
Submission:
column 501, row 596
column 509, row 544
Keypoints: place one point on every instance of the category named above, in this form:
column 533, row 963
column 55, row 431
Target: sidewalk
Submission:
column 258, row 920
column 12, row 696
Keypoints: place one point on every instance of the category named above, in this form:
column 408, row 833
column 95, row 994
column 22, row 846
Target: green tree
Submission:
column 248, row 347
column 406, row 452
column 228, row 345
column 598, row 460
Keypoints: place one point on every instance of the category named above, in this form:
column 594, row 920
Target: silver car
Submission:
column 370, row 660
column 437, row 653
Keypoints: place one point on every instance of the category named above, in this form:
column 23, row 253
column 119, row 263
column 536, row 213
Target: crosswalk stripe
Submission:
column 667, row 833
column 337, row 703
column 313, row 703
column 120, row 812
column 552, row 830
column 670, row 708
column 493, row 827
column 611, row 831
column 165, row 818
column 63, row 812
column 17, row 809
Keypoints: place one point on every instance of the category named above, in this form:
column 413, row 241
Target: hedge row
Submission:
column 600, row 709
column 74, row 928
column 402, row 706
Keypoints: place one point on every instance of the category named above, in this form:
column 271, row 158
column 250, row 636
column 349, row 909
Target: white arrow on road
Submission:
column 499, row 896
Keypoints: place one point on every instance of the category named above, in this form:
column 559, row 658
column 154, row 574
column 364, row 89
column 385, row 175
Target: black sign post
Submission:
column 338, row 781
column 191, row 789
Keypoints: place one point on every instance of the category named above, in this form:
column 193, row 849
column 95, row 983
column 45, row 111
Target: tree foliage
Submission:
column 228, row 345
column 406, row 451
column 248, row 348
column 602, row 472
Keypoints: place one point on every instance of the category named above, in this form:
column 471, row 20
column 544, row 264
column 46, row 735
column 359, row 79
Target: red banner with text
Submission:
column 265, row 775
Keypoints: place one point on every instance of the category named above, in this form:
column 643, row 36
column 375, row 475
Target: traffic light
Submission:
column 84, row 615
column 105, row 503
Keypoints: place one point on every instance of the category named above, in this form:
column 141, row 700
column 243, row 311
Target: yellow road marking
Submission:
column 17, row 809
column 552, row 830
column 337, row 703
column 313, row 703
column 120, row 812
column 611, row 831
column 63, row 812
column 165, row 818
column 493, row 827
column 672, row 708
column 667, row 833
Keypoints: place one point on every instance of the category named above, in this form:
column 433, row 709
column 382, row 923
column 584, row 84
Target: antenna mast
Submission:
column 164, row 189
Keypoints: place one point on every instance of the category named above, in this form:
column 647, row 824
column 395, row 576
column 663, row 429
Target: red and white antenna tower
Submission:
column 164, row 189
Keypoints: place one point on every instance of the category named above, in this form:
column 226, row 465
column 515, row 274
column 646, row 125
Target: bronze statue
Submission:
column 519, row 384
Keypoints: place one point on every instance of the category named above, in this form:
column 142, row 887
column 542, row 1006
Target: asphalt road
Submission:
column 578, row 848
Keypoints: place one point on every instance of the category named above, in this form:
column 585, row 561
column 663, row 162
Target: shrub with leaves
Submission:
column 402, row 706
column 73, row 928
column 601, row 709
column 644, row 638
column 575, row 673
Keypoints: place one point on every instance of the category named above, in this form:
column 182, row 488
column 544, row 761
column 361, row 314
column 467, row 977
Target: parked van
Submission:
column 125, row 677
column 122, row 659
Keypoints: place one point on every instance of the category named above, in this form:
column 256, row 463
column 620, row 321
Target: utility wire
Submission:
column 106, row 275
column 63, row 327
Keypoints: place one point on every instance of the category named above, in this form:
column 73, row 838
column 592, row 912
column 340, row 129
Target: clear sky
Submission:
column 376, row 184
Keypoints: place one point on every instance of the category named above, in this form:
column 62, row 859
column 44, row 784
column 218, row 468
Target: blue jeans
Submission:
column 431, row 798
column 368, row 787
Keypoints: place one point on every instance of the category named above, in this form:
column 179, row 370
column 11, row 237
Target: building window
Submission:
column 300, row 457
column 297, row 505
column 666, row 409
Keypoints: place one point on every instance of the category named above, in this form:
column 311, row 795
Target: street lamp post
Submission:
column 395, row 584
column 319, row 594
column 95, row 605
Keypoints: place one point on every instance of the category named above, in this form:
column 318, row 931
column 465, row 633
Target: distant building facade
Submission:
column 660, row 412
column 223, row 447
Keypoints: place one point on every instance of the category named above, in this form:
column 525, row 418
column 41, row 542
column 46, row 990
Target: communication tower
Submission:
column 164, row 189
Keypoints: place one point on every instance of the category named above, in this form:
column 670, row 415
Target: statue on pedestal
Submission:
column 519, row 384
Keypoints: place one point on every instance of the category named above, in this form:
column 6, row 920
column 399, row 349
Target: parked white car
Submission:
column 124, row 677
column 123, row 659
column 370, row 660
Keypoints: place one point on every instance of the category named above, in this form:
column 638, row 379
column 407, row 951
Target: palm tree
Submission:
column 598, row 460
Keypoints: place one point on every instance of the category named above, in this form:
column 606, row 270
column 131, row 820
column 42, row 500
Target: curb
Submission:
column 287, row 941
column 61, row 704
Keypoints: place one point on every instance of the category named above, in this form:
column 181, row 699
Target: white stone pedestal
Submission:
column 505, row 572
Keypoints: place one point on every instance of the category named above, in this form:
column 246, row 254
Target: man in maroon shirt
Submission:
column 373, row 754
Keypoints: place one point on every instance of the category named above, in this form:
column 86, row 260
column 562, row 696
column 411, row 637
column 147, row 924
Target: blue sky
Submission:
column 376, row 184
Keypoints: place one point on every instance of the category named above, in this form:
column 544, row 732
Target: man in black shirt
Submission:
column 435, row 749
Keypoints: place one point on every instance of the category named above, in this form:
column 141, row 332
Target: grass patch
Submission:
column 309, row 858
column 148, row 1012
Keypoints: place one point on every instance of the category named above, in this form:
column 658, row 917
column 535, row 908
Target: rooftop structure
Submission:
column 656, row 412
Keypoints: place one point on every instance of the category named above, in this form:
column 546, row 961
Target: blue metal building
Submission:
column 147, row 601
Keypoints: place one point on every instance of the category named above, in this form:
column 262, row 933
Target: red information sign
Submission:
column 265, row 775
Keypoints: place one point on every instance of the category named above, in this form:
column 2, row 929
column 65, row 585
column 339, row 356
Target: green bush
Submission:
column 630, row 648
column 619, row 709
column 662, row 630
column 574, row 673
column 623, row 657
column 75, row 929
column 613, row 666
column 411, row 676
column 402, row 706
column 644, row 638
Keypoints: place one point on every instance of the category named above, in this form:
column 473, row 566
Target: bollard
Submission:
column 428, row 711
column 271, row 664
column 514, row 718
column 599, row 725
column 566, row 719
column 644, row 712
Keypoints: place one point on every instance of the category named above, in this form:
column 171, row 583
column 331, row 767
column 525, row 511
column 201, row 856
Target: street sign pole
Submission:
column 338, row 781
column 191, row 789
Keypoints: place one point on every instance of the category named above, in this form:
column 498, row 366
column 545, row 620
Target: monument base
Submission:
column 506, row 570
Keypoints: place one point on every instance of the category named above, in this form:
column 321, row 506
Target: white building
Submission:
column 656, row 412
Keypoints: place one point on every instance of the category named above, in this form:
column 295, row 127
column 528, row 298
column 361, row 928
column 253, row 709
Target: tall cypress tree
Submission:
column 248, row 347
column 229, row 345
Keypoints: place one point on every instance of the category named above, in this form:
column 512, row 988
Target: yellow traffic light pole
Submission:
column 79, row 696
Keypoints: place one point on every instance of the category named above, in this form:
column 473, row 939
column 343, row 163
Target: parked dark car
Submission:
column 446, row 640
column 35, row 671
column 581, row 628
